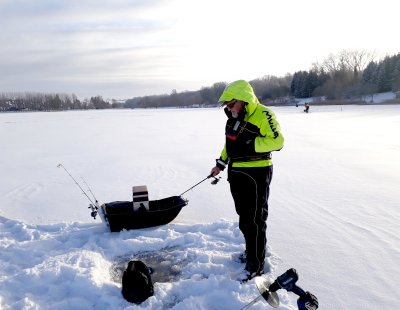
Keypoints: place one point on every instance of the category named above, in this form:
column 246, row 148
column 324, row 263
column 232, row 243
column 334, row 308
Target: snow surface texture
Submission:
column 333, row 216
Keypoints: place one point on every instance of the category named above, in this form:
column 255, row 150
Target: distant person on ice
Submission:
column 306, row 107
column 251, row 134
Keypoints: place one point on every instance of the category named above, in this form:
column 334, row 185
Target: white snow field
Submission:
column 333, row 214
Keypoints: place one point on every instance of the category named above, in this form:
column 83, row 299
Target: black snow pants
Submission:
column 250, row 191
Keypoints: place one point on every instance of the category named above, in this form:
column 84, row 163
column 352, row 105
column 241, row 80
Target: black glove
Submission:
column 307, row 302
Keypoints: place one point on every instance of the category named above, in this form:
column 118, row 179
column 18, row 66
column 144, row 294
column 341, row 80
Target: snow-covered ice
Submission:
column 333, row 216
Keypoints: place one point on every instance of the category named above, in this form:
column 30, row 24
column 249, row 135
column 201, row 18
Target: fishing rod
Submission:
column 87, row 185
column 94, row 206
column 215, row 181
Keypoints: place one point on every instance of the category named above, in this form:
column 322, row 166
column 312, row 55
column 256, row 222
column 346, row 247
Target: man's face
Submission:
column 235, row 106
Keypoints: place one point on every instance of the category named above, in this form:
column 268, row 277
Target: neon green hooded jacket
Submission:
column 269, row 136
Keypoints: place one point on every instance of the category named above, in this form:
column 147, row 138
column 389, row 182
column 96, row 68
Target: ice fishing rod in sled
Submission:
column 140, row 212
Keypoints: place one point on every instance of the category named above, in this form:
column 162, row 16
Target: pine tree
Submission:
column 396, row 74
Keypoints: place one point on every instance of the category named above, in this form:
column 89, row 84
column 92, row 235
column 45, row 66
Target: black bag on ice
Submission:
column 136, row 282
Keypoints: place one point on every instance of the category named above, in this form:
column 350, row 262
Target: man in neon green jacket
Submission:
column 252, row 133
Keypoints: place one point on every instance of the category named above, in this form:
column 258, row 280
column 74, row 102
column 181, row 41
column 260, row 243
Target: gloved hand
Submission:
column 307, row 302
column 215, row 171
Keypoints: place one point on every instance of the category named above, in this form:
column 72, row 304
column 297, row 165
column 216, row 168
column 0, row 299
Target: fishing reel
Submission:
column 216, row 180
column 213, row 182
column 94, row 211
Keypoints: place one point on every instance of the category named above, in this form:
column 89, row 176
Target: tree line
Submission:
column 32, row 101
column 346, row 75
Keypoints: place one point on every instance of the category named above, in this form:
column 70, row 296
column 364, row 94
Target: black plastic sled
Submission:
column 121, row 215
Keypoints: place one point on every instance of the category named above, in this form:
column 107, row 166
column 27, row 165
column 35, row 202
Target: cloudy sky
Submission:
column 127, row 48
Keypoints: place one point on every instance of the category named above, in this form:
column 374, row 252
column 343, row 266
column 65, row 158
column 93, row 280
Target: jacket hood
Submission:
column 240, row 90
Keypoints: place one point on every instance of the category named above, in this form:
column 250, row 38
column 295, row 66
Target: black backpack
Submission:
column 136, row 282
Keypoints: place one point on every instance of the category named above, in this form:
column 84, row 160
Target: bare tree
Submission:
column 331, row 64
column 356, row 60
column 347, row 60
